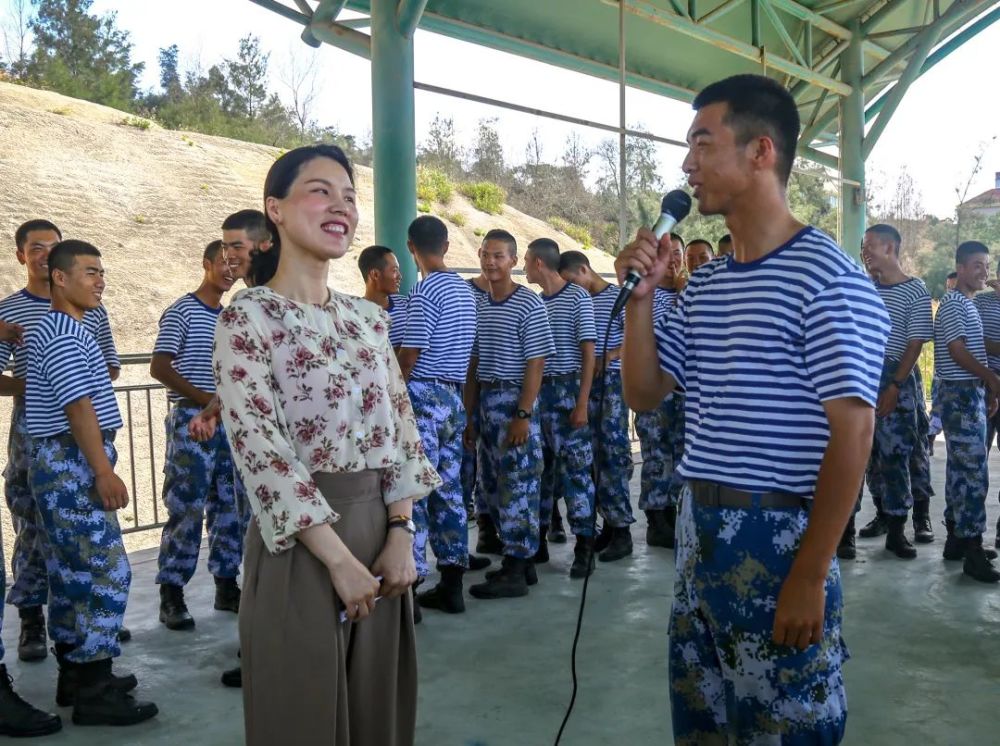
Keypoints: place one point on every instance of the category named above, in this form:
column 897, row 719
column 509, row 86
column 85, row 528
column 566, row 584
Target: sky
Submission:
column 940, row 127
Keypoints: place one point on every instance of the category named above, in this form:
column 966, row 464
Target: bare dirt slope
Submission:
column 151, row 199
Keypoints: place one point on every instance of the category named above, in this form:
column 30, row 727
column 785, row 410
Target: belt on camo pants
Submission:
column 712, row 495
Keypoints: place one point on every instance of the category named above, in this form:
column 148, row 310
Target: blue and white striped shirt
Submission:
column 604, row 301
column 909, row 307
column 27, row 310
column 479, row 294
column 64, row 365
column 187, row 332
column 664, row 301
column 957, row 318
column 571, row 319
column 988, row 305
column 397, row 318
column 759, row 347
column 441, row 323
column 509, row 333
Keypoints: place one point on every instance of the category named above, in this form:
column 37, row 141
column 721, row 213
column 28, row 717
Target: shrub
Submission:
column 140, row 219
column 434, row 186
column 137, row 122
column 455, row 218
column 478, row 232
column 579, row 233
column 60, row 110
column 423, row 207
column 484, row 196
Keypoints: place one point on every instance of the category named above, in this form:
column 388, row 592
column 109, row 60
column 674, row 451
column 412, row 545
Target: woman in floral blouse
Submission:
column 325, row 441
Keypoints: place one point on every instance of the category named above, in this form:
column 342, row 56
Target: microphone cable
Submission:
column 593, row 527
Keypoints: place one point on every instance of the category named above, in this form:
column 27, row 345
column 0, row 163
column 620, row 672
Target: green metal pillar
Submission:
column 394, row 143
column 852, row 135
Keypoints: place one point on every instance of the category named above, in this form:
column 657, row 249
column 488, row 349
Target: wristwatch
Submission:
column 405, row 523
column 523, row 414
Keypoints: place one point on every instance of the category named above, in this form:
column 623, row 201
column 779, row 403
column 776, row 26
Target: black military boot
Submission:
column 99, row 702
column 446, row 596
column 620, row 546
column 660, row 527
column 542, row 555
column 31, row 644
column 923, row 532
column 478, row 563
column 173, row 610
column 68, row 681
column 955, row 546
column 895, row 540
column 18, row 719
column 996, row 541
column 603, row 537
column 848, row 548
column 557, row 532
column 233, row 678
column 877, row 526
column 583, row 557
column 489, row 540
column 227, row 595
column 509, row 582
column 530, row 574
column 977, row 565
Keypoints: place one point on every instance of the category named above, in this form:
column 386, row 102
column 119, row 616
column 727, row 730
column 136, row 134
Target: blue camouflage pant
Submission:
column 567, row 457
column 612, row 450
column 471, row 493
column 963, row 417
column 729, row 682
column 199, row 486
column 897, row 436
column 510, row 477
column 31, row 583
column 440, row 417
column 920, row 461
column 661, row 439
column 89, row 573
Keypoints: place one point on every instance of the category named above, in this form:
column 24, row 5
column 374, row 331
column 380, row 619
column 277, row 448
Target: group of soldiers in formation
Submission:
column 518, row 398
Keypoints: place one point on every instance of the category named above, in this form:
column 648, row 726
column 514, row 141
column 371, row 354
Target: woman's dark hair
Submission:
column 280, row 178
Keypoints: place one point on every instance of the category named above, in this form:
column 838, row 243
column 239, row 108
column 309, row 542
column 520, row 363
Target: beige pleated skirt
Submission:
column 308, row 678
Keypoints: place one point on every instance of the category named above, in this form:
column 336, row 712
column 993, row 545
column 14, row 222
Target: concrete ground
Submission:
column 925, row 666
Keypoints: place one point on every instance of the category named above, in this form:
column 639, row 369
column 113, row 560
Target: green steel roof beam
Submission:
column 364, row 22
column 790, row 45
column 895, row 96
column 827, row 26
column 836, row 5
column 879, row 11
column 817, row 156
column 327, row 10
column 324, row 28
column 740, row 48
column 283, row 10
column 507, row 43
column 304, row 7
column 721, row 10
column 408, row 15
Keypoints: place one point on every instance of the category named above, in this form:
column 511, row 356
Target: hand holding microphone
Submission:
column 640, row 261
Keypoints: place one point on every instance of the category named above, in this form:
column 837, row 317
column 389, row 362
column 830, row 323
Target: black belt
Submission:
column 712, row 495
column 439, row 381
column 973, row 382
column 487, row 385
column 561, row 378
column 67, row 438
column 188, row 404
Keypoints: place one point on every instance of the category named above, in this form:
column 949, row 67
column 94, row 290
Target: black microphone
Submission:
column 675, row 207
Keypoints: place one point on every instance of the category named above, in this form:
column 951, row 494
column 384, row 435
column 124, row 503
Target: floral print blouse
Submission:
column 313, row 388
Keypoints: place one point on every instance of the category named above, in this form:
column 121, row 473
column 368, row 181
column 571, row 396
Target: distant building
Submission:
column 984, row 205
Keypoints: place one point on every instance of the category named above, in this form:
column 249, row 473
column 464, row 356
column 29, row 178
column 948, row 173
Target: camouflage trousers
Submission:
column 89, row 572
column 661, row 439
column 471, row 493
column 199, row 487
column 510, row 476
column 729, row 682
column 440, row 417
column 567, row 457
column 612, row 450
column 897, row 436
column 920, row 460
column 966, row 482
column 31, row 583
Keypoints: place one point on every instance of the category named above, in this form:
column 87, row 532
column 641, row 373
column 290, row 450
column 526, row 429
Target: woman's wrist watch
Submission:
column 404, row 522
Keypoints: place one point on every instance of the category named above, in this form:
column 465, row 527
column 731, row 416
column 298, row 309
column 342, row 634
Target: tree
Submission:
column 170, row 77
column 247, row 78
column 299, row 75
column 643, row 186
column 962, row 191
column 441, row 150
column 487, row 153
column 82, row 55
column 16, row 32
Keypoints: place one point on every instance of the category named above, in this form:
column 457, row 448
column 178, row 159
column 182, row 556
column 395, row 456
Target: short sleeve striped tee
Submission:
column 759, row 347
column 397, row 318
column 571, row 319
column 187, row 332
column 957, row 318
column 604, row 301
column 988, row 305
column 909, row 307
column 65, row 364
column 27, row 310
column 509, row 333
column 441, row 323
column 663, row 301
